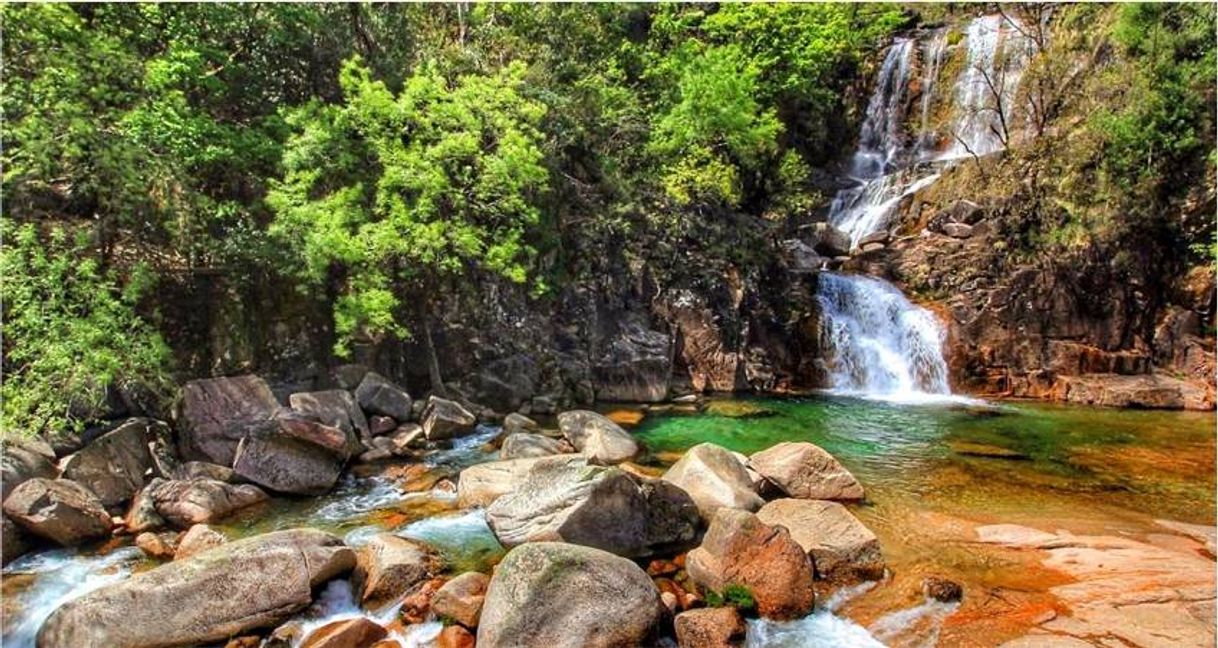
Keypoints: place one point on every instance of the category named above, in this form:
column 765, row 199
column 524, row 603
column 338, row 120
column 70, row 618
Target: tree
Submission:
column 390, row 199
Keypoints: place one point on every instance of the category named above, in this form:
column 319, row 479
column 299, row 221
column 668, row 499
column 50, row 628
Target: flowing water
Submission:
column 891, row 163
column 876, row 343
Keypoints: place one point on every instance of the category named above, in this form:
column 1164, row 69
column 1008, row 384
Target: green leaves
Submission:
column 402, row 192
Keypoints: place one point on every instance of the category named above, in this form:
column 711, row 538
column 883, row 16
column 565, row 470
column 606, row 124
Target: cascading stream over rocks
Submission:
column 876, row 342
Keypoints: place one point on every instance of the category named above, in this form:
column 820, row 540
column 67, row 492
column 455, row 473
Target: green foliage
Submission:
column 70, row 333
column 734, row 595
column 421, row 188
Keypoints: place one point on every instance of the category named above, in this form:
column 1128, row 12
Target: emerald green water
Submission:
column 1059, row 457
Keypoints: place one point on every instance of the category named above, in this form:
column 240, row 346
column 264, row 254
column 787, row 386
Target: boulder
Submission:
column 377, row 395
column 515, row 422
column 739, row 549
column 958, row 230
column 714, row 478
column 274, row 457
column 445, row 419
column 405, row 437
column 829, row 240
column 453, row 637
column 600, row 440
column 568, row 596
column 204, row 470
column 380, row 425
column 708, row 627
column 801, row 258
column 596, row 506
column 142, row 514
column 505, row 384
column 13, row 543
column 59, row 510
column 348, row 376
column 248, row 584
column 335, row 408
column 360, row 632
column 635, row 366
column 841, row 548
column 216, row 413
column 521, row 445
column 416, row 606
column 461, row 598
column 113, row 465
column 184, row 503
column 483, row 483
column 199, row 537
column 158, row 546
column 20, row 461
column 942, row 589
column 804, row 470
column 388, row 566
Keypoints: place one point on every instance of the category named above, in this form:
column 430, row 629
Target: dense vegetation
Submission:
column 380, row 154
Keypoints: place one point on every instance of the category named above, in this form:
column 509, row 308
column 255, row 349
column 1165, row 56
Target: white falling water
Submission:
column 933, row 53
column 877, row 343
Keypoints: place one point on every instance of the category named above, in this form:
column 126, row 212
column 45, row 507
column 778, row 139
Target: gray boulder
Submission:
column 445, row 419
column 184, row 503
column 212, row 596
column 377, row 395
column 482, row 484
column 521, row 445
column 804, row 470
column 216, row 413
column 567, row 596
column 841, row 548
column 114, row 465
column 285, row 459
column 595, row 506
column 59, row 510
column 600, row 440
column 335, row 408
column 387, row 567
column 714, row 478
column 516, row 422
column 13, row 542
column 20, row 461
column 829, row 240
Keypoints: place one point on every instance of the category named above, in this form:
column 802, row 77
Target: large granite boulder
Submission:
column 842, row 549
column 388, row 566
column 461, row 599
column 241, row 586
column 377, row 395
column 522, row 445
column 445, row 419
column 596, row 437
column 20, row 461
column 334, row 408
column 596, row 506
column 708, row 627
column 714, row 477
column 635, row 366
column 483, row 483
column 804, row 470
column 297, row 457
column 741, row 550
column 114, row 465
column 59, row 510
column 184, row 503
column 568, row 596
column 517, row 422
column 216, row 413
column 360, row 632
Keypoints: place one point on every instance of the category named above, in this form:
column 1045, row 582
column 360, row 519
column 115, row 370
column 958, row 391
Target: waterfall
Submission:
column 876, row 342
column 885, row 168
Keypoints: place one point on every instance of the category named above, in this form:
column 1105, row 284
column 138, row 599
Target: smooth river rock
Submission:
column 184, row 503
column 20, row 461
column 804, row 470
column 568, row 596
column 714, row 477
column 388, row 566
column 740, row 549
column 600, row 440
column 444, row 419
column 335, row 408
column 377, row 395
column 197, row 539
column 522, row 445
column 59, row 510
column 842, row 549
column 360, row 632
column 595, row 506
column 483, row 483
column 244, row 585
column 461, row 599
column 276, row 456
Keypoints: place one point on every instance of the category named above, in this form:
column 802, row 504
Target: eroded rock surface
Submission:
column 805, row 470
column 714, row 478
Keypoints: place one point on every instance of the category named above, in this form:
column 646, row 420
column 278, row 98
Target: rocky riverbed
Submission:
column 367, row 518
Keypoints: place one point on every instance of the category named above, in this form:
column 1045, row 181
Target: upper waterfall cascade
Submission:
column 890, row 162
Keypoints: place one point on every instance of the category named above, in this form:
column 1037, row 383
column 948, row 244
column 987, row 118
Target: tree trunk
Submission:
column 433, row 362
